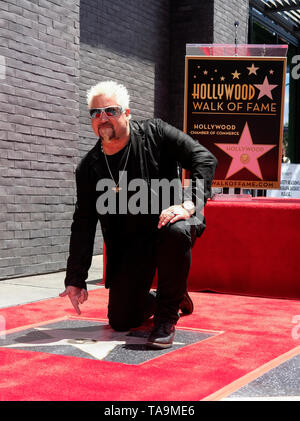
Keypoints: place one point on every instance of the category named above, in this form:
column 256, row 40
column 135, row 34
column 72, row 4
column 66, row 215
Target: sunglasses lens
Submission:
column 109, row 111
column 112, row 111
column 94, row 113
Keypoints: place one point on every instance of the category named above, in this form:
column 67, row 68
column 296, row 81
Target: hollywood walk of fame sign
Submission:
column 234, row 106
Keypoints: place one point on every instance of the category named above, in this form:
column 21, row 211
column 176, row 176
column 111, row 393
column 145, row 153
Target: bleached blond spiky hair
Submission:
column 109, row 88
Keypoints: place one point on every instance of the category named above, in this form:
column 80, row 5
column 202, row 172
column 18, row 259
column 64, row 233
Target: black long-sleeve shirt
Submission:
column 158, row 150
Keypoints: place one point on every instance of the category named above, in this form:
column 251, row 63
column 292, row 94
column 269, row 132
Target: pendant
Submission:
column 116, row 189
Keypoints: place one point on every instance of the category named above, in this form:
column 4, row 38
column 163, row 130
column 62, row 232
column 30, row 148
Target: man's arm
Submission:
column 199, row 161
column 194, row 157
column 83, row 230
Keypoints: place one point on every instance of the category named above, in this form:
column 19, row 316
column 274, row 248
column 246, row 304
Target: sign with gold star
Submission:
column 234, row 106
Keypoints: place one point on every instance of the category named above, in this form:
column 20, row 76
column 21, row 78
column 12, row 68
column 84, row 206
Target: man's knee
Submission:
column 178, row 233
column 118, row 324
column 118, row 318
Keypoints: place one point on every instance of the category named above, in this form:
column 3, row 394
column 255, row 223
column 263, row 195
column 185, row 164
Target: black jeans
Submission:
column 167, row 250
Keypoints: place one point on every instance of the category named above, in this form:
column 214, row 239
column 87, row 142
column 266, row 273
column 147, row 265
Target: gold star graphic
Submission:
column 252, row 69
column 235, row 75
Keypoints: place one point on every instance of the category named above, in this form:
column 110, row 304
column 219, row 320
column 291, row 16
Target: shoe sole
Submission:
column 153, row 345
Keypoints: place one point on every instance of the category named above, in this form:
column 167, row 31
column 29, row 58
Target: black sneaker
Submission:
column 161, row 336
column 186, row 306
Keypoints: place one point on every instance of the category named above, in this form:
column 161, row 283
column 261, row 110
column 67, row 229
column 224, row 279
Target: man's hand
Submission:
column 77, row 296
column 172, row 214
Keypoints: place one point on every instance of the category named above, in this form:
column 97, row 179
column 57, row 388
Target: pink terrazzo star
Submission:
column 265, row 89
column 245, row 154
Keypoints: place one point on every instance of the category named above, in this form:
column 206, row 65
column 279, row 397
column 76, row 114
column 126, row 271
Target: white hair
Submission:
column 110, row 88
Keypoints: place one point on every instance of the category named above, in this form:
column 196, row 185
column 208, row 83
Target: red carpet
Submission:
column 248, row 334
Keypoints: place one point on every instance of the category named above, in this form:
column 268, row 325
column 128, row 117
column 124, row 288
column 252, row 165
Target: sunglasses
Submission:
column 113, row 111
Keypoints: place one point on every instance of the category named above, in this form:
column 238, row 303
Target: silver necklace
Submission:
column 116, row 189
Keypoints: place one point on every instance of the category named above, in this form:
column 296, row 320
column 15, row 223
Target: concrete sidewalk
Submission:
column 16, row 291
